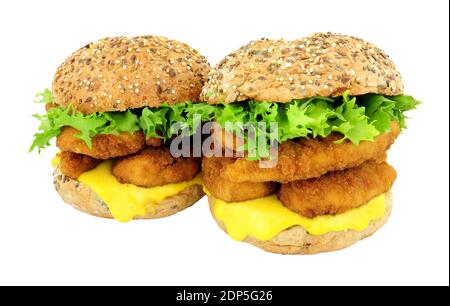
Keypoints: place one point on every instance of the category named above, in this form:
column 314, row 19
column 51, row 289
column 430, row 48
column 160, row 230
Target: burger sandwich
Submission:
column 338, row 105
column 111, row 108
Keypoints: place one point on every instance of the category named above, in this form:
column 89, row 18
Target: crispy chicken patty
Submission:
column 73, row 164
column 307, row 158
column 104, row 146
column 155, row 167
column 337, row 192
column 227, row 190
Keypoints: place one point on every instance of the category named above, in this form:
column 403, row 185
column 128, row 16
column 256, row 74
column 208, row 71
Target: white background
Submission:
column 43, row 241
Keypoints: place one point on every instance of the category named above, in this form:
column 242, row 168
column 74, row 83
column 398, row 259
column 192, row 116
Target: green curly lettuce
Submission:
column 356, row 118
column 382, row 109
column 154, row 122
column 88, row 125
column 159, row 122
column 44, row 97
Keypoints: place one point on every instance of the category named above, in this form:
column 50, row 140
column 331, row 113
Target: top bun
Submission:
column 120, row 73
column 323, row 64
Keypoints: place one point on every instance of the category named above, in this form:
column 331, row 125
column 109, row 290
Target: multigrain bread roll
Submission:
column 120, row 73
column 323, row 64
column 296, row 240
column 86, row 200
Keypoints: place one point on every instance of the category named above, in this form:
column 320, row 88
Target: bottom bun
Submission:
column 86, row 200
column 296, row 240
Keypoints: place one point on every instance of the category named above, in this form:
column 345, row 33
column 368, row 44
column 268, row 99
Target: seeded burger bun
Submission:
column 296, row 240
column 121, row 73
column 84, row 199
column 323, row 64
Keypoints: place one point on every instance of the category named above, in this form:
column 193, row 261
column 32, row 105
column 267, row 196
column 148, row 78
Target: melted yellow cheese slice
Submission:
column 56, row 161
column 126, row 201
column 264, row 218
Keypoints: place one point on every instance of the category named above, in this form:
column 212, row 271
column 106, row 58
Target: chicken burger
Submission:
column 111, row 108
column 338, row 105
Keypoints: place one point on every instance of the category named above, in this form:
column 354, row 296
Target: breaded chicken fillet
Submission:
column 339, row 191
column 155, row 167
column 73, row 164
column 307, row 158
column 212, row 169
column 105, row 146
